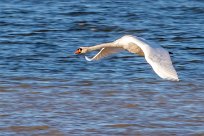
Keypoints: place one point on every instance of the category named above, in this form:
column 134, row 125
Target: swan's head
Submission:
column 81, row 50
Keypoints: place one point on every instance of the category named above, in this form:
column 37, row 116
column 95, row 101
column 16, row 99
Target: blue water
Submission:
column 47, row 90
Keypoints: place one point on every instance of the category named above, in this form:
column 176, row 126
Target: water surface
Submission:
column 47, row 90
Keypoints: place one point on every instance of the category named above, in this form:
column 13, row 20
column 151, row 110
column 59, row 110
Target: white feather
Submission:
column 155, row 55
column 104, row 52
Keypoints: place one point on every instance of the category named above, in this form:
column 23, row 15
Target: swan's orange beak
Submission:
column 78, row 51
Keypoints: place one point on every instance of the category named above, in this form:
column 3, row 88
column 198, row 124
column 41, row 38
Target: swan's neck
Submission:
column 100, row 46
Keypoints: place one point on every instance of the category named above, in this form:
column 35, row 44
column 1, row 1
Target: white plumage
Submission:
column 155, row 55
column 104, row 52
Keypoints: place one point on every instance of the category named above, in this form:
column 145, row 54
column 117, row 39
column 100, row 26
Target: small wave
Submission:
column 25, row 128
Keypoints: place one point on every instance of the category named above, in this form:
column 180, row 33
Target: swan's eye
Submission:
column 78, row 51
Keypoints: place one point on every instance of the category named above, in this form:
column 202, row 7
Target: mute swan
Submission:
column 155, row 55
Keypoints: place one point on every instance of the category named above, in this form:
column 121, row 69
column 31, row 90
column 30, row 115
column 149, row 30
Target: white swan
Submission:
column 155, row 55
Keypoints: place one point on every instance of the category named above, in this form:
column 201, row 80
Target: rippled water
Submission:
column 46, row 90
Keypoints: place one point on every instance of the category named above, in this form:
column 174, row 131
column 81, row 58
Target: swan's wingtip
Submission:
column 173, row 79
column 88, row 59
column 177, row 80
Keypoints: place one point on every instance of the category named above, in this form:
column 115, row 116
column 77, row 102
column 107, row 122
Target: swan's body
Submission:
column 156, row 56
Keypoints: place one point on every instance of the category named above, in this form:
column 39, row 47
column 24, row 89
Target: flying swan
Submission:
column 155, row 55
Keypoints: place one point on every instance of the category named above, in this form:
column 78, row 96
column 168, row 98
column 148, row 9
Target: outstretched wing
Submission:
column 158, row 58
column 161, row 63
column 104, row 52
